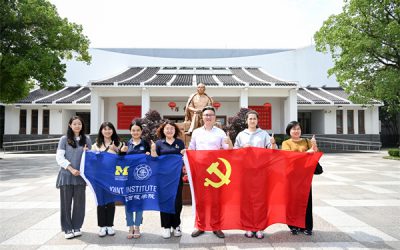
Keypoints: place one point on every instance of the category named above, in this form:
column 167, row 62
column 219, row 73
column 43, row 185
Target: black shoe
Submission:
column 196, row 233
column 219, row 234
column 294, row 231
column 307, row 232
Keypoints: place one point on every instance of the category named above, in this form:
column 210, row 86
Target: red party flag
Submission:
column 250, row 188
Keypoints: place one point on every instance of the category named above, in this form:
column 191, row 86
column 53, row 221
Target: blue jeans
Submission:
column 129, row 218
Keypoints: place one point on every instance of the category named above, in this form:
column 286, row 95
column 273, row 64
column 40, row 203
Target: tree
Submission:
column 151, row 122
column 237, row 123
column 364, row 41
column 33, row 44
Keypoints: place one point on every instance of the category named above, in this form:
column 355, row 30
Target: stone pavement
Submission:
column 356, row 206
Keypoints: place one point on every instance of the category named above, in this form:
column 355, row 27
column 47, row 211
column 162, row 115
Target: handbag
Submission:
column 318, row 170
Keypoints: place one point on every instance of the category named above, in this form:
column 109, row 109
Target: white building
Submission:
column 243, row 80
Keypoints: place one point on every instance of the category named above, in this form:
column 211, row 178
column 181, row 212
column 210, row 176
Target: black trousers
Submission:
column 309, row 216
column 105, row 215
column 173, row 220
column 72, row 204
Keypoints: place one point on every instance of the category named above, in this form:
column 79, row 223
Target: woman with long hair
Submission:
column 71, row 184
column 107, row 141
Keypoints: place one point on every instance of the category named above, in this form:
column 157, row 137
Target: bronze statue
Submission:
column 195, row 105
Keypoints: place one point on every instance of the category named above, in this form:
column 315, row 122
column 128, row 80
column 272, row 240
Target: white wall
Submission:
column 372, row 120
column 11, row 120
column 330, row 121
column 56, row 122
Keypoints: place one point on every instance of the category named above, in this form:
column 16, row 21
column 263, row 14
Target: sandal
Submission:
column 130, row 233
column 136, row 232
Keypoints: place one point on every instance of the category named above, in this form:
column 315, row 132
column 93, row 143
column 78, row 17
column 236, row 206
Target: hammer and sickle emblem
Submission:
column 213, row 169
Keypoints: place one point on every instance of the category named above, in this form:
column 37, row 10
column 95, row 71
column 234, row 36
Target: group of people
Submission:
column 207, row 137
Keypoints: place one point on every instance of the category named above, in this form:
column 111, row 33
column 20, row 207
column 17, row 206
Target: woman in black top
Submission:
column 170, row 144
column 136, row 145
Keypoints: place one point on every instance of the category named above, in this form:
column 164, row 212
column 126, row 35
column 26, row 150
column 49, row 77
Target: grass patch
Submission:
column 392, row 158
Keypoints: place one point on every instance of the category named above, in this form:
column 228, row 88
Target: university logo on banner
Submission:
column 142, row 172
column 141, row 182
column 121, row 174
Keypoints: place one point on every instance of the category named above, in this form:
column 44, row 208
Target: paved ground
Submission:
column 356, row 206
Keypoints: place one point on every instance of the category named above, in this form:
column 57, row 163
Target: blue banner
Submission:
column 140, row 181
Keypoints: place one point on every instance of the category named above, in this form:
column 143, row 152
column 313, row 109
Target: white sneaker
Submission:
column 166, row 234
column 177, row 232
column 103, row 231
column 69, row 235
column 110, row 231
column 77, row 232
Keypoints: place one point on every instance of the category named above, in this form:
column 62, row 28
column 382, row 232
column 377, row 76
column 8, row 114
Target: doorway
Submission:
column 305, row 122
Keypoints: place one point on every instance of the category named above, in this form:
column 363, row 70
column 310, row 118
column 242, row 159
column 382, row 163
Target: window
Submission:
column 350, row 121
column 361, row 122
column 34, row 125
column 22, row 121
column 46, row 122
column 339, row 121
column 221, row 119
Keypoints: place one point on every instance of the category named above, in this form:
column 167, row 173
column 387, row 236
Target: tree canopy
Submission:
column 364, row 41
column 34, row 42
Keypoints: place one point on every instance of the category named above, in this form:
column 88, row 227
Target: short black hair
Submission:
column 208, row 108
column 136, row 122
column 290, row 126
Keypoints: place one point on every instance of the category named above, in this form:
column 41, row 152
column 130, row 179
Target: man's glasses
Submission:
column 208, row 115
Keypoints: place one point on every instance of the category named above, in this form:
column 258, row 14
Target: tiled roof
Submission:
column 312, row 97
column 85, row 100
column 35, row 95
column 301, row 100
column 159, row 80
column 120, row 77
column 148, row 73
column 76, row 96
column 65, row 97
column 228, row 80
column 332, row 98
column 208, row 80
column 59, row 95
column 259, row 74
column 242, row 75
column 182, row 80
column 211, row 76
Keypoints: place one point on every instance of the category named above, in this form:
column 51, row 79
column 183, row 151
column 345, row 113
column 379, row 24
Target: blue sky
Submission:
column 199, row 24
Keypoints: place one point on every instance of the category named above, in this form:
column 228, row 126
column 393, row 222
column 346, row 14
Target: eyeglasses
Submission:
column 208, row 115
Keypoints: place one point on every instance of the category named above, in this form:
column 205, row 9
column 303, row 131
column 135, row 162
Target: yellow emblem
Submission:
column 213, row 169
column 119, row 170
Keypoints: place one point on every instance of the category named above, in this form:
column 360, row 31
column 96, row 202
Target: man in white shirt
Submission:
column 209, row 137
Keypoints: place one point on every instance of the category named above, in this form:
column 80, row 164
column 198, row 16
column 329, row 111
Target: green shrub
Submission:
column 395, row 152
